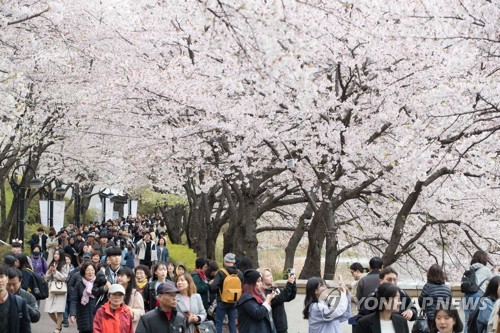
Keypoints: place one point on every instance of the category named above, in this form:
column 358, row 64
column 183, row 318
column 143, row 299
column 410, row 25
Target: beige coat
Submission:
column 52, row 245
column 56, row 303
column 136, row 303
column 493, row 322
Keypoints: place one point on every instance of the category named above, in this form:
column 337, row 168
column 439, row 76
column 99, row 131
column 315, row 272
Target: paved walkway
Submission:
column 46, row 325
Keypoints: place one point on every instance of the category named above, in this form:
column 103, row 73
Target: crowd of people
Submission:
column 383, row 307
column 118, row 277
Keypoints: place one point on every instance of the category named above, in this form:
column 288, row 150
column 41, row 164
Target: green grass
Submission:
column 182, row 254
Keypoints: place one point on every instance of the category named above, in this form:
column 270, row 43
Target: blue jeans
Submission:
column 220, row 313
column 470, row 303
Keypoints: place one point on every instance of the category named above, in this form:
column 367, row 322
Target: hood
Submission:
column 231, row 269
column 477, row 265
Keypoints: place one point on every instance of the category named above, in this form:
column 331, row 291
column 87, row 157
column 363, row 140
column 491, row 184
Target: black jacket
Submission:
column 252, row 316
column 33, row 309
column 432, row 294
column 366, row 307
column 149, row 295
column 278, row 306
column 371, row 324
column 156, row 321
column 219, row 279
column 19, row 319
column 98, row 290
column 84, row 313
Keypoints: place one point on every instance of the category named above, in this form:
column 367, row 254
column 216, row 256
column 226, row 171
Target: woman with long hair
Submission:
column 171, row 271
column 189, row 302
column 434, row 292
column 321, row 316
column 55, row 304
column 133, row 298
column 28, row 282
column 386, row 318
column 491, row 295
column 446, row 320
column 162, row 250
column 82, row 302
column 286, row 294
column 254, row 307
column 483, row 275
column 159, row 276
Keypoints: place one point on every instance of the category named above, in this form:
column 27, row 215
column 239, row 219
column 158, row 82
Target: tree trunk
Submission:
column 294, row 241
column 3, row 202
column 316, row 237
column 174, row 218
column 331, row 252
column 248, row 224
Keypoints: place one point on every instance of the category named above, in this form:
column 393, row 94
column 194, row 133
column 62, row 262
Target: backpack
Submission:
column 231, row 288
column 40, row 287
column 468, row 283
column 472, row 322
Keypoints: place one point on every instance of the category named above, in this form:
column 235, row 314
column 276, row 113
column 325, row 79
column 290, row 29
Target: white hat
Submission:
column 116, row 288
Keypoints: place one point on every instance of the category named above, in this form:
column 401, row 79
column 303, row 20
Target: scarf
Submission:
column 201, row 274
column 141, row 285
column 87, row 292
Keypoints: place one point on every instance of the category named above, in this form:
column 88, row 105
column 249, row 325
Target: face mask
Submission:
column 36, row 254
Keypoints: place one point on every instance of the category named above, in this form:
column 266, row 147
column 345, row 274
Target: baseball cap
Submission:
column 116, row 288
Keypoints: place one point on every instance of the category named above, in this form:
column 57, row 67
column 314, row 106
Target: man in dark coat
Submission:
column 13, row 309
column 14, row 287
column 407, row 310
column 165, row 317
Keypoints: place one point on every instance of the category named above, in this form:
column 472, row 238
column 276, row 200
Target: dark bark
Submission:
column 174, row 217
column 294, row 241
column 391, row 253
column 3, row 201
column 316, row 238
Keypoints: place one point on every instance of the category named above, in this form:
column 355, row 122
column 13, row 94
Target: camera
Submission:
column 288, row 271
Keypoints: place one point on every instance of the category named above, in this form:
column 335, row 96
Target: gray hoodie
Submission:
column 482, row 274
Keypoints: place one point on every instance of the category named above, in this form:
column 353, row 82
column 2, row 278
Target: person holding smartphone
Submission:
column 286, row 294
column 321, row 315
column 189, row 302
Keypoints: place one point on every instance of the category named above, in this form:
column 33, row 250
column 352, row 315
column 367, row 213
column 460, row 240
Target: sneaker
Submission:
column 65, row 324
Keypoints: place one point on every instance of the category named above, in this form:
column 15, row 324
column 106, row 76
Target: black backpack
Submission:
column 40, row 287
column 472, row 322
column 468, row 284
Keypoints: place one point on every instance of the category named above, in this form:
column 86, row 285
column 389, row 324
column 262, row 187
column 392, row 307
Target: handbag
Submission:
column 420, row 325
column 206, row 326
column 58, row 288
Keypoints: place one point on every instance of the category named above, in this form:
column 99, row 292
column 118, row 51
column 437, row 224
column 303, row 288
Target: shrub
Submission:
column 182, row 254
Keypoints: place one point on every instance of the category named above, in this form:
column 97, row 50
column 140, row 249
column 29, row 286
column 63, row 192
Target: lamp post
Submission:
column 20, row 189
column 103, row 197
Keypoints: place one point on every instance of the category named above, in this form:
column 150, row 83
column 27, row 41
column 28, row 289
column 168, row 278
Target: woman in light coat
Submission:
column 133, row 298
column 56, row 303
column 317, row 310
column 189, row 302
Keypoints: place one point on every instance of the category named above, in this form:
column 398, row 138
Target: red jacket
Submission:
column 119, row 321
